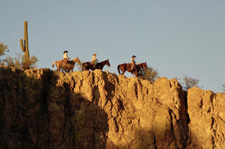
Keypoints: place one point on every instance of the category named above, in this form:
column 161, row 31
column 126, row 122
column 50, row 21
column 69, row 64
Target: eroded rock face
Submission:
column 46, row 109
column 207, row 114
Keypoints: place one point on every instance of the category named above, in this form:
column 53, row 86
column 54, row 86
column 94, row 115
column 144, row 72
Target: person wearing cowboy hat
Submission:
column 65, row 56
column 94, row 60
column 133, row 62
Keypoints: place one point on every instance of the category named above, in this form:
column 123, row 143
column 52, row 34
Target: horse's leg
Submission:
column 101, row 66
column 86, row 68
column 83, row 67
column 123, row 70
column 136, row 72
column 58, row 66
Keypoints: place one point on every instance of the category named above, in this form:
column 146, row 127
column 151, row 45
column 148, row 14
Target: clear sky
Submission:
column 176, row 37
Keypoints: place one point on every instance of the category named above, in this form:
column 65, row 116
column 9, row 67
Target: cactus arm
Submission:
column 21, row 45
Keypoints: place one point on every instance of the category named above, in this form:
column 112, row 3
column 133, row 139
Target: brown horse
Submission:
column 66, row 66
column 141, row 66
column 89, row 65
column 127, row 67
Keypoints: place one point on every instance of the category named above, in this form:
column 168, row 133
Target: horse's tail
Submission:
column 118, row 68
column 53, row 64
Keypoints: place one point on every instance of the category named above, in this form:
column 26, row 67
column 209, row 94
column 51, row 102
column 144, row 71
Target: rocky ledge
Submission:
column 46, row 109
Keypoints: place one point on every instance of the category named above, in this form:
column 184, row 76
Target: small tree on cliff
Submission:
column 223, row 88
column 3, row 49
column 20, row 62
column 149, row 74
column 190, row 82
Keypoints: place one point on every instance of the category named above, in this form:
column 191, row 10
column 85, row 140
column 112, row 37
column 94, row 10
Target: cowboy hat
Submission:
column 133, row 56
column 65, row 52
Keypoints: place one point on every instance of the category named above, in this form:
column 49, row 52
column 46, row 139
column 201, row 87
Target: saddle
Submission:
column 94, row 64
column 132, row 67
column 65, row 61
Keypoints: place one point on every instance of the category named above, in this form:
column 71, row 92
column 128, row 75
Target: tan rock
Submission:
column 48, row 109
column 206, row 112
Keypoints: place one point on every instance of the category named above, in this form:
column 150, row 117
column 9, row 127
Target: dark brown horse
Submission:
column 127, row 67
column 89, row 65
column 66, row 66
column 142, row 66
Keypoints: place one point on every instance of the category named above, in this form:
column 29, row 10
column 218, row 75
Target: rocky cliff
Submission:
column 46, row 109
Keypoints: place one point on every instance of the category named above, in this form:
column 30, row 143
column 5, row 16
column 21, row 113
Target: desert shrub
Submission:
column 189, row 83
column 223, row 89
column 150, row 74
column 19, row 61
column 3, row 49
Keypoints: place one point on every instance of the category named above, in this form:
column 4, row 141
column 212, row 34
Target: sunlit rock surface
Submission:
column 47, row 109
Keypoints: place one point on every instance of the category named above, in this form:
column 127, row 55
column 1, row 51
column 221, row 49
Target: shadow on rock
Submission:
column 36, row 112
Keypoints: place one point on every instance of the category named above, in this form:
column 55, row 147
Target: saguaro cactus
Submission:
column 25, row 48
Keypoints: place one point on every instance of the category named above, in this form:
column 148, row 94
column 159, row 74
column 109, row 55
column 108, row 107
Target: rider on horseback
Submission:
column 133, row 62
column 65, row 56
column 94, row 60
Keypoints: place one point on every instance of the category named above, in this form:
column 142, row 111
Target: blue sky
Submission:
column 176, row 37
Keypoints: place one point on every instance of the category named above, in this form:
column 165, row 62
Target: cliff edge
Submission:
column 47, row 109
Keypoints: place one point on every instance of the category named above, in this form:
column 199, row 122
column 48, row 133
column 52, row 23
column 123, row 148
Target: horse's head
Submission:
column 107, row 63
column 76, row 60
column 144, row 65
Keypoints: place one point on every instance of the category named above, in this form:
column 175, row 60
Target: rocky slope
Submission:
column 46, row 109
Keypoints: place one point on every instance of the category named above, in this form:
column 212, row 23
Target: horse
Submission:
column 66, row 66
column 141, row 65
column 127, row 67
column 89, row 65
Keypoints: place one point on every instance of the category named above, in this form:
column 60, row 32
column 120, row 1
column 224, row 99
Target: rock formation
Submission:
column 47, row 109
column 207, row 114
